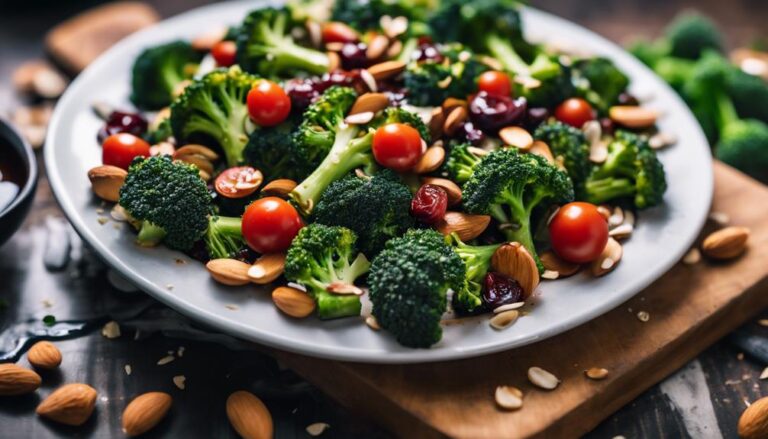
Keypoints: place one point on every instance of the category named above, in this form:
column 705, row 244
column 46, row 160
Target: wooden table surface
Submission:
column 704, row 399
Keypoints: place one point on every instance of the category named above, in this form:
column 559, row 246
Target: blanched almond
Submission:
column 70, row 404
column 596, row 373
column 267, row 268
column 280, row 187
column 106, row 181
column 229, row 271
column 359, row 118
column 633, row 116
column 513, row 260
column 726, row 243
column 44, row 355
column 387, row 69
column 451, row 188
column 431, row 160
column 466, row 226
column 145, row 411
column 17, row 380
column 608, row 259
column 295, row 303
column 553, row 262
column 370, row 102
column 249, row 416
column 518, row 137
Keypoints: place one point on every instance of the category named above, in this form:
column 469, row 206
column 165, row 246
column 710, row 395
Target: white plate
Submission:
column 661, row 238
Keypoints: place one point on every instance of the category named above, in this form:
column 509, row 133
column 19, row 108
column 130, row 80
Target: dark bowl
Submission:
column 13, row 215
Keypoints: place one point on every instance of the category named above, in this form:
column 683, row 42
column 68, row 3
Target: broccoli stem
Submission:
column 726, row 111
column 223, row 237
column 503, row 51
column 516, row 226
column 605, row 189
column 296, row 57
column 150, row 235
column 232, row 139
column 334, row 306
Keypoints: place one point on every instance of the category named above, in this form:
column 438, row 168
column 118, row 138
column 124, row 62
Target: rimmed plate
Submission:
column 661, row 238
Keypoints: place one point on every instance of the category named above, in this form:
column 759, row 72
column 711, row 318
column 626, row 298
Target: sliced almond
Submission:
column 608, row 259
column 617, row 217
column 394, row 49
column 508, row 397
column 622, row 232
column 493, row 63
column 70, row 404
column 317, row 428
column 451, row 188
column 377, row 46
column 431, row 160
column 267, row 268
column 436, row 123
column 527, row 82
column 629, row 217
column 721, row 218
column 334, row 61
column 359, row 118
column 195, row 149
column 106, row 181
column 202, row 163
column 554, row 263
column 44, row 355
column 504, row 319
column 662, row 140
column 372, row 323
column 604, row 211
column 726, row 243
column 205, row 42
column 281, row 187
column 396, row 27
column 692, row 257
column 162, row 148
column 178, row 90
column 369, row 80
column 518, row 137
column 508, row 307
column 17, row 380
column 344, row 289
column 542, row 379
column 466, row 226
column 455, row 119
column 249, row 416
column 49, row 83
column 386, row 69
column 598, row 152
column 369, row 102
column 596, row 373
column 145, row 411
column 633, row 116
column 542, row 149
column 513, row 260
column 229, row 271
column 450, row 103
column 294, row 302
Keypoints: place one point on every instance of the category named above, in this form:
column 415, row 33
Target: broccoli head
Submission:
column 409, row 282
column 429, row 83
column 364, row 15
column 323, row 257
column 460, row 163
column 472, row 22
column 376, row 209
column 632, row 171
column 570, row 147
column 213, row 110
column 691, row 34
column 600, row 82
column 272, row 151
column 158, row 70
column 477, row 260
column 508, row 185
column 266, row 47
column 749, row 93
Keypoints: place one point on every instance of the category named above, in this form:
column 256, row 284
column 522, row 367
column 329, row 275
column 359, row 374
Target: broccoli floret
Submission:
column 631, row 171
column 460, row 163
column 429, row 83
column 224, row 237
column 409, row 282
column 364, row 15
column 160, row 132
column 158, row 70
column 376, row 209
column 691, row 34
column 303, row 10
column 272, row 151
column 351, row 149
column 265, row 46
column 749, row 93
column 477, row 260
column 570, row 147
column 321, row 257
column 649, row 52
column 213, row 110
column 675, row 71
column 508, row 185
column 599, row 81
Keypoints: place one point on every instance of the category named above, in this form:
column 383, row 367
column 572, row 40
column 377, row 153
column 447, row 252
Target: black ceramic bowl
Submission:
column 15, row 150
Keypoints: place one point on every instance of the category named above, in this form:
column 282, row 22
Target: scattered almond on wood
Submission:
column 44, row 355
column 145, row 411
column 753, row 423
column 249, row 416
column 508, row 397
column 17, row 380
column 726, row 243
column 295, row 303
column 542, row 378
column 596, row 373
column 70, row 404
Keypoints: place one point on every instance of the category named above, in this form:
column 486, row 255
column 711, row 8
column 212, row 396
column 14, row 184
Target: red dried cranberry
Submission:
column 535, row 116
column 493, row 112
column 353, row 56
column 427, row 52
column 471, row 134
column 607, row 125
column 343, row 78
column 302, row 92
column 123, row 122
column 501, row 290
column 429, row 204
column 627, row 99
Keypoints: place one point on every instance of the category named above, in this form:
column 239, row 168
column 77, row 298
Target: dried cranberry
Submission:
column 607, row 125
column 344, row 78
column 353, row 56
column 302, row 92
column 627, row 99
column 493, row 112
column 427, row 52
column 123, row 122
column 535, row 116
column 471, row 134
column 429, row 204
column 501, row 290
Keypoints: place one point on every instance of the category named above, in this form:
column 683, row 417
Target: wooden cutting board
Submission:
column 690, row 308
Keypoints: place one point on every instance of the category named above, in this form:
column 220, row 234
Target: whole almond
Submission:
column 513, row 260
column 553, row 262
column 17, row 380
column 334, row 61
column 369, row 102
column 436, row 122
column 145, row 411
column 376, row 47
column 281, row 187
column 70, row 404
column 430, row 160
column 267, row 268
column 542, row 149
column 294, row 302
column 195, row 149
column 229, row 271
column 633, row 116
column 753, row 423
column 518, row 137
column 44, row 355
column 454, row 119
column 387, row 69
column 608, row 259
column 106, row 181
column 249, row 416
column 466, row 226
column 726, row 243
column 451, row 188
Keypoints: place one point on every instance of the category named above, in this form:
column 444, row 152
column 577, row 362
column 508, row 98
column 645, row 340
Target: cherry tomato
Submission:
column 120, row 149
column 397, row 146
column 268, row 104
column 578, row 232
column 336, row 32
column 270, row 224
column 224, row 53
column 495, row 83
column 238, row 182
column 575, row 112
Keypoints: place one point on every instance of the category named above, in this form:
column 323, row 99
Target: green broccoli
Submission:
column 599, row 81
column 460, row 163
column 265, row 46
column 323, row 257
column 675, row 72
column 631, row 171
column 213, row 110
column 376, row 209
column 272, row 151
column 158, row 70
column 409, row 282
column 749, row 93
column 364, row 15
column 691, row 34
column 508, row 185
column 477, row 261
column 570, row 147
column 429, row 83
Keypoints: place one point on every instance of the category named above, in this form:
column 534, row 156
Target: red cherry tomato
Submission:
column 575, row 112
column 578, row 232
column 238, row 182
column 268, row 104
column 224, row 53
column 397, row 146
column 494, row 82
column 336, row 32
column 120, row 149
column 270, row 224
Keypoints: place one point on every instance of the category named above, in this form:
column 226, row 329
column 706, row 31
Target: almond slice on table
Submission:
column 145, row 411
column 431, row 160
column 542, row 378
column 70, row 404
column 267, row 268
column 17, row 380
column 249, row 416
column 44, row 355
column 608, row 259
column 369, row 102
column 508, row 397
column 633, row 116
column 726, row 243
column 518, row 137
column 450, row 188
column 466, row 226
column 229, row 271
column 513, row 260
column 106, row 181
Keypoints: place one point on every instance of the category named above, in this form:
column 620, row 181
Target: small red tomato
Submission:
column 238, row 182
column 578, row 232
column 224, row 53
column 270, row 224
column 397, row 146
column 120, row 149
column 494, row 82
column 336, row 32
column 429, row 204
column 268, row 104
column 575, row 112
